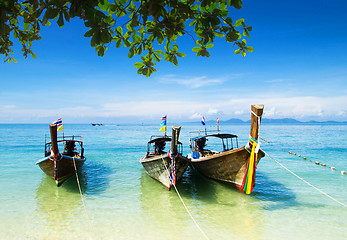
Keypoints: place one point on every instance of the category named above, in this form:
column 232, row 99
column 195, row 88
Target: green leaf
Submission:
column 51, row 13
column 180, row 54
column 119, row 43
column 160, row 39
column 137, row 38
column 229, row 20
column 139, row 64
column 218, row 34
column 145, row 71
column 235, row 3
column 61, row 20
column 95, row 39
column 209, row 46
column 131, row 52
column 239, row 22
column 120, row 30
column 101, row 52
column 243, row 53
column 89, row 33
column 175, row 47
column 249, row 49
column 237, row 51
column 196, row 49
column 26, row 26
column 139, row 50
column 105, row 36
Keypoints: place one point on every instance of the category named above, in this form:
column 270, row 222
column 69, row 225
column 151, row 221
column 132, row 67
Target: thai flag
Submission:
column 163, row 121
column 203, row 120
column 59, row 122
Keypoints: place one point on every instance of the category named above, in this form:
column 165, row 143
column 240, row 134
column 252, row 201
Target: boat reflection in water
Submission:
column 60, row 208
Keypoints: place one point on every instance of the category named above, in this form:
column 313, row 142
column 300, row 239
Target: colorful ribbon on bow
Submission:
column 173, row 168
column 249, row 179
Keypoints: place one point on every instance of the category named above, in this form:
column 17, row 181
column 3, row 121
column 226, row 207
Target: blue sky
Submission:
column 298, row 70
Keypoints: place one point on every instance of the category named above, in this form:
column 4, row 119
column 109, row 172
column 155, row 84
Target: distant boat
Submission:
column 62, row 166
column 165, row 167
column 232, row 165
column 97, row 124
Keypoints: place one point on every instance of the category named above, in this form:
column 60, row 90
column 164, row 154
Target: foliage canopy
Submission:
column 149, row 28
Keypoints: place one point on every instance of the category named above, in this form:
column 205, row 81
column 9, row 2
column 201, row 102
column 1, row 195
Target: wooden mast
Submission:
column 174, row 139
column 256, row 112
column 54, row 148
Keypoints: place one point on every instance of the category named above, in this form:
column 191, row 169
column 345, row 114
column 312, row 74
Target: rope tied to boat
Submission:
column 54, row 157
column 305, row 180
column 179, row 195
column 84, row 205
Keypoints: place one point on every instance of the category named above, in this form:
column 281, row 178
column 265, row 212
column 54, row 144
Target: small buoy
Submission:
column 317, row 163
column 299, row 155
column 305, row 158
column 332, row 168
column 324, row 165
column 294, row 153
column 343, row 172
column 290, row 152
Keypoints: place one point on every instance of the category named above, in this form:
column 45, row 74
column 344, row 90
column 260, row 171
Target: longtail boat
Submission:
column 61, row 166
column 165, row 167
column 232, row 165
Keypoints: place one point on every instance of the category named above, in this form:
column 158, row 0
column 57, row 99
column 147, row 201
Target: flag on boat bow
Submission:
column 203, row 120
column 59, row 124
column 163, row 123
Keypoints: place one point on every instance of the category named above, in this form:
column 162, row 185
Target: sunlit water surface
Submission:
column 122, row 202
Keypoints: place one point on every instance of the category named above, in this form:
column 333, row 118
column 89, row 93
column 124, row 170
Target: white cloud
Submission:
column 192, row 82
column 212, row 111
column 9, row 106
column 196, row 116
column 277, row 80
column 301, row 108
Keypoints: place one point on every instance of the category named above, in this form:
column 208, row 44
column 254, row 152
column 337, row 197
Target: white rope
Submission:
column 306, row 181
column 191, row 216
column 84, row 205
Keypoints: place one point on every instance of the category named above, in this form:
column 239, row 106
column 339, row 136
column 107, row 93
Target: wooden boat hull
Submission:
column 158, row 167
column 229, row 167
column 64, row 167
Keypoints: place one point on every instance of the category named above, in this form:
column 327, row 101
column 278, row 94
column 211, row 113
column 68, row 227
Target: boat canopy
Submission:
column 219, row 135
column 198, row 144
column 162, row 139
column 157, row 143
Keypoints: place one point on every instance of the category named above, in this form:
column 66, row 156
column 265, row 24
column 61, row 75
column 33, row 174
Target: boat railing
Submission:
column 203, row 132
column 64, row 138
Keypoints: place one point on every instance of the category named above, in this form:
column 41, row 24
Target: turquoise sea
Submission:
column 122, row 202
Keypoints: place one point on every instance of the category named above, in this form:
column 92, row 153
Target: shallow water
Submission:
column 122, row 202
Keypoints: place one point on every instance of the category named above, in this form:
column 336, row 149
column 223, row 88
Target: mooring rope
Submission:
column 84, row 205
column 179, row 195
column 305, row 181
